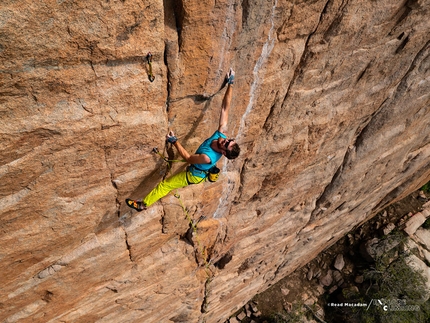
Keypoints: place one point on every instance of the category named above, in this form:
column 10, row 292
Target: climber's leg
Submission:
column 163, row 188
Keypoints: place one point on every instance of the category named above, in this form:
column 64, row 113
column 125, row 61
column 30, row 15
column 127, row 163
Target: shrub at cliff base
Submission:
column 395, row 293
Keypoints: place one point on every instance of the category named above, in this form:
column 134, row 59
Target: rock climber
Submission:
column 205, row 157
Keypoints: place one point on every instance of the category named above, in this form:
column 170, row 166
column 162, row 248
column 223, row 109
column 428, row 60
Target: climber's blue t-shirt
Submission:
column 205, row 148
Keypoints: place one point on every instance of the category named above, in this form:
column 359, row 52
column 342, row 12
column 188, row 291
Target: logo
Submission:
column 393, row 305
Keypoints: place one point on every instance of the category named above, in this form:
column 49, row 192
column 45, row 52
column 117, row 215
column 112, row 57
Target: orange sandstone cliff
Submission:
column 331, row 109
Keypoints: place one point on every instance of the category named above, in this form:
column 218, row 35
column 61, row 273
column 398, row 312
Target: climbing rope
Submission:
column 166, row 159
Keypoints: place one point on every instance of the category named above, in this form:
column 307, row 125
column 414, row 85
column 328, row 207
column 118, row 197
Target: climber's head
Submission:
column 229, row 148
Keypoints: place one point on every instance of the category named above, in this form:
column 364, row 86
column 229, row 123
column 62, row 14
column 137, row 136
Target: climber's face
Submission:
column 225, row 144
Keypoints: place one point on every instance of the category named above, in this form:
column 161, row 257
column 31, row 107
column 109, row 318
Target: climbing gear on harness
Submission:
column 138, row 206
column 149, row 59
column 230, row 77
column 213, row 174
column 192, row 171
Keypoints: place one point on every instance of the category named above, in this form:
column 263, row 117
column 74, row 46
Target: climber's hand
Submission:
column 230, row 76
column 170, row 137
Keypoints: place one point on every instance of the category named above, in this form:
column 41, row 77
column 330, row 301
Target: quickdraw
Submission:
column 150, row 75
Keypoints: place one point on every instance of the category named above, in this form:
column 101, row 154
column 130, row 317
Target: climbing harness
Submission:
column 197, row 171
column 212, row 174
column 149, row 59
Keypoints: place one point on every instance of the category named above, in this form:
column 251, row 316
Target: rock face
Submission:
column 331, row 109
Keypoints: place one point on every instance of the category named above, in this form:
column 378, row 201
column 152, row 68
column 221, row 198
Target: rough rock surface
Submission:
column 331, row 108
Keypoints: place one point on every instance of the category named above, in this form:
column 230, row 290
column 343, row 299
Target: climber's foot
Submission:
column 138, row 206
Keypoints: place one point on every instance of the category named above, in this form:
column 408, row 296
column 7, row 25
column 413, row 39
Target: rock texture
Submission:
column 331, row 108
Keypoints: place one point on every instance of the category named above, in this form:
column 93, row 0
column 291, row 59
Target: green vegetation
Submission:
column 426, row 224
column 392, row 291
column 426, row 188
column 395, row 291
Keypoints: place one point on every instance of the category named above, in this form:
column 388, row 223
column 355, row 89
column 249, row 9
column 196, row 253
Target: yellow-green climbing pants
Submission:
column 176, row 181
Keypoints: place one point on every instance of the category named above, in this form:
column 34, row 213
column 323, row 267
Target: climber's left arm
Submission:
column 225, row 109
column 192, row 159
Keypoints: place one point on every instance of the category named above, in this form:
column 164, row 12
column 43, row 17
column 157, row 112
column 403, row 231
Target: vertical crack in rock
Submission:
column 265, row 53
column 179, row 14
column 93, row 69
column 173, row 23
column 168, row 85
column 322, row 203
column 112, row 180
column 298, row 69
column 163, row 220
column 203, row 308
column 229, row 29
column 127, row 244
column 278, row 269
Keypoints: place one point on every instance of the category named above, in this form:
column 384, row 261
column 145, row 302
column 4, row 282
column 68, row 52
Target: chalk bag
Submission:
column 213, row 174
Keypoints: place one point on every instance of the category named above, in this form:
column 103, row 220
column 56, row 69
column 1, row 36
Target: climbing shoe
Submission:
column 230, row 77
column 138, row 206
